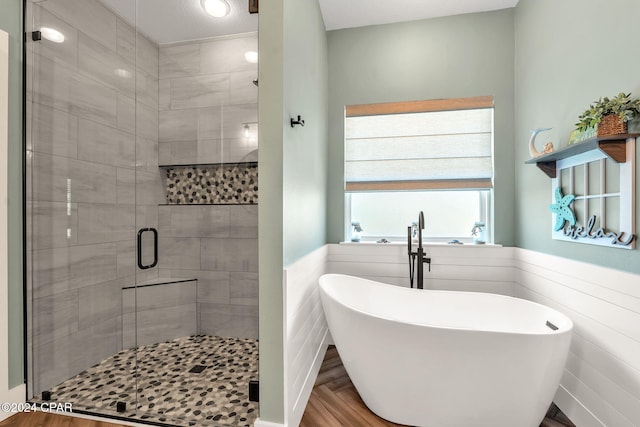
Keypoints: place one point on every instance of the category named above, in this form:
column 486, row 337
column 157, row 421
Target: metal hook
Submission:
column 297, row 122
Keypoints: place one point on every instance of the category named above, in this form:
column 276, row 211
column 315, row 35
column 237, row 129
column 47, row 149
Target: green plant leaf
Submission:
column 622, row 105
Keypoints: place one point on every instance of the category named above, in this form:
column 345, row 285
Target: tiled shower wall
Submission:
column 208, row 114
column 208, row 101
column 86, row 150
column 218, row 245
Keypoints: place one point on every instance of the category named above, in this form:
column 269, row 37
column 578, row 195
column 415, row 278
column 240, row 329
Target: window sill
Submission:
column 424, row 244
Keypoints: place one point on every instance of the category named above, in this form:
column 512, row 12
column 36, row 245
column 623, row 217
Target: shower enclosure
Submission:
column 141, row 202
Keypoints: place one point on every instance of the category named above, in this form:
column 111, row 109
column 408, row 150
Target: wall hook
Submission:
column 297, row 122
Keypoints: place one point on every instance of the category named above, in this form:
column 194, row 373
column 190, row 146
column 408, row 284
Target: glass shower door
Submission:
column 142, row 297
column 82, row 138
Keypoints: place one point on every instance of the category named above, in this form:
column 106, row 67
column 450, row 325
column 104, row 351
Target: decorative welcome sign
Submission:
column 588, row 209
column 566, row 223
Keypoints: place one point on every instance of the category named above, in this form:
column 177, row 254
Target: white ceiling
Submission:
column 170, row 21
column 359, row 13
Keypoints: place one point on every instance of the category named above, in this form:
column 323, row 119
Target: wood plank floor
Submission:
column 335, row 402
column 44, row 419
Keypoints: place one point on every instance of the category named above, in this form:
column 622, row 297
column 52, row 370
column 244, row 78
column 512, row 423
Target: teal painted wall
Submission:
column 458, row 56
column 270, row 210
column 568, row 54
column 11, row 22
column 293, row 165
column 305, row 148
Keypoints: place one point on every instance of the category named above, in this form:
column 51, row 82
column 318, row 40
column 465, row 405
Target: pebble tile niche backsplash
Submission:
column 219, row 185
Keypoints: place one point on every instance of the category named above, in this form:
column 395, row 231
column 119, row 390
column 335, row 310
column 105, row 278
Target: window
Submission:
column 434, row 156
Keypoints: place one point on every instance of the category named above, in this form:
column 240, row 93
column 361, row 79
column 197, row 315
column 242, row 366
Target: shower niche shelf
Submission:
column 207, row 165
column 612, row 147
column 211, row 184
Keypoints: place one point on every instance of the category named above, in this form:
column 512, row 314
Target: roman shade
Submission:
column 420, row 145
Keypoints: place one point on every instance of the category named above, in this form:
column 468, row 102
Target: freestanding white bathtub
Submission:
column 446, row 359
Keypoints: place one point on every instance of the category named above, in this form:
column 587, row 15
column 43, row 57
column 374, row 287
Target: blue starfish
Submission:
column 562, row 210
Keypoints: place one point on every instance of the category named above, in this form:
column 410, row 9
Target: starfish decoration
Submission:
column 562, row 210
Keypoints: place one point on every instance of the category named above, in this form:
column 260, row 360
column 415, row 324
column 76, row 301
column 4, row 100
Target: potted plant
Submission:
column 610, row 115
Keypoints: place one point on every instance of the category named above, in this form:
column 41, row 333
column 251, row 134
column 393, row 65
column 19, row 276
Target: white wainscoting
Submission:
column 477, row 268
column 601, row 383
column 306, row 331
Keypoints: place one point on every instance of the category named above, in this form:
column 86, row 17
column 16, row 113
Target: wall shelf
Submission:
column 613, row 146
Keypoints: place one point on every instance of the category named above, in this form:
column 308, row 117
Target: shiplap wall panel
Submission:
column 588, row 287
column 625, row 402
column 298, row 278
column 588, row 322
column 621, row 373
column 579, row 414
column 375, row 269
column 617, row 280
column 310, row 334
column 590, row 395
column 400, row 264
column 617, row 348
column 603, row 370
column 601, row 382
column 601, row 409
column 492, row 287
column 466, row 272
column 315, row 349
column 459, row 268
column 609, row 314
column 305, row 331
column 378, row 252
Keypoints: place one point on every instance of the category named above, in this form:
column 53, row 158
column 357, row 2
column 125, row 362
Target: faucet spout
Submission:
column 420, row 252
column 420, row 228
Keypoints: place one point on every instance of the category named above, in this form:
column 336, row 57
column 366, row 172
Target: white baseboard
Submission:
column 261, row 423
column 15, row 395
column 330, row 338
column 573, row 409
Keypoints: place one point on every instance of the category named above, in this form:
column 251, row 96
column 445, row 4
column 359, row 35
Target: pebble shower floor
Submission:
column 156, row 381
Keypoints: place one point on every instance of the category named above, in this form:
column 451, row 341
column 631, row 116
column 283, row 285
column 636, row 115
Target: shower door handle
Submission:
column 142, row 266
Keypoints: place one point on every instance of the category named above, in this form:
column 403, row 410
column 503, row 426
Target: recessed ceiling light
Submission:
column 217, row 8
column 251, row 56
column 52, row 35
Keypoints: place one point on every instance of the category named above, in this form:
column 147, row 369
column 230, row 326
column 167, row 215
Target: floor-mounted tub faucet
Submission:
column 420, row 278
column 418, row 256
